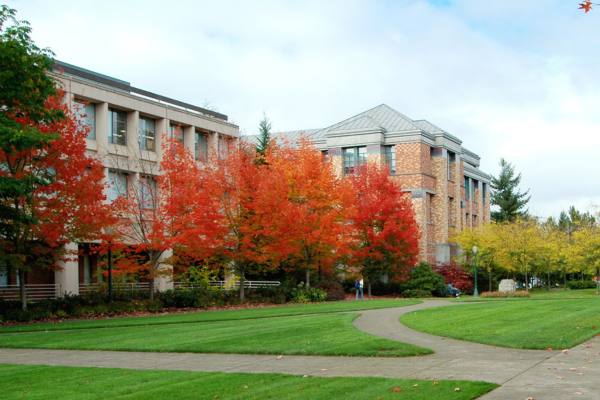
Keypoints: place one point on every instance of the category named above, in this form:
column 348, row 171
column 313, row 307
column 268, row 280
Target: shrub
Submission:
column 581, row 285
column 196, row 297
column 310, row 295
column 519, row 293
column 456, row 275
column 423, row 278
column 416, row 293
column 334, row 289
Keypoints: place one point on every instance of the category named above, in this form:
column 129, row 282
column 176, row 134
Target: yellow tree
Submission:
column 587, row 250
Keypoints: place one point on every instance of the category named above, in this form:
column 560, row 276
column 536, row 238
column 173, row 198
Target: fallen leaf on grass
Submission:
column 396, row 389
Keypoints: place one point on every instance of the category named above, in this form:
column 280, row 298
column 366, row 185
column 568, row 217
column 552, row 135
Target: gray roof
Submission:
column 428, row 126
column 382, row 117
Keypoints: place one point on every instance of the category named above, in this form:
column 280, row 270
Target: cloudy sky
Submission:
column 518, row 79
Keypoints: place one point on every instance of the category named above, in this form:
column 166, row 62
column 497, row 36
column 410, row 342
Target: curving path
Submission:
column 522, row 373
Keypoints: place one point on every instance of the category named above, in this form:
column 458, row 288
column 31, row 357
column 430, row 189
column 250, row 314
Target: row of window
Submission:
column 117, row 131
column 470, row 185
column 356, row 156
column 118, row 185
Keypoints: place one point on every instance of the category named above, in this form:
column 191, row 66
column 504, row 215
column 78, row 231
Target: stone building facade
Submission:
column 126, row 125
column 449, row 192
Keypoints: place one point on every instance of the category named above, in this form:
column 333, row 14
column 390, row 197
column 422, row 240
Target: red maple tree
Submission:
column 66, row 203
column 386, row 233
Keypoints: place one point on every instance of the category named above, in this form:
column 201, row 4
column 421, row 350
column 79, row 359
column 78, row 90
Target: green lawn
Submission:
column 226, row 315
column 527, row 324
column 310, row 334
column 539, row 294
column 43, row 382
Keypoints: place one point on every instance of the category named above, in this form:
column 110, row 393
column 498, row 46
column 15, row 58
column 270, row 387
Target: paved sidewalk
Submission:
column 523, row 373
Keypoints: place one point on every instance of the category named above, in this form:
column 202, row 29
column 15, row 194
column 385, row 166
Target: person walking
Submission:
column 361, row 286
column 357, row 287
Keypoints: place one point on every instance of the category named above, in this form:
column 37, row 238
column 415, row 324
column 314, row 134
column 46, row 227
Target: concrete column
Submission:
column 67, row 274
column 164, row 279
column 102, row 128
column 213, row 145
column 189, row 138
column 133, row 123
column 162, row 132
column 335, row 155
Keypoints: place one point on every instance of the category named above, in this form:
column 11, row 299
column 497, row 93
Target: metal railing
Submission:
column 118, row 287
column 34, row 292
column 228, row 284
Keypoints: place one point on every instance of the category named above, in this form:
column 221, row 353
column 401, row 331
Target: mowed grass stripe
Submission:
column 211, row 316
column 519, row 324
column 100, row 383
column 324, row 334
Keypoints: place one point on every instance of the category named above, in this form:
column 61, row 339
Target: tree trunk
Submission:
column 565, row 279
column 527, row 281
column 548, row 282
column 22, row 289
column 490, row 281
column 242, row 284
column 307, row 278
column 369, row 288
column 151, row 288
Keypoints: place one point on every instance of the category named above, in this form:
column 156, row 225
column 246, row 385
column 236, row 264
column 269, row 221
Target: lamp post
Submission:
column 475, row 291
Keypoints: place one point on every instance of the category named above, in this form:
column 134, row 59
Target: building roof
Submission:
column 382, row 117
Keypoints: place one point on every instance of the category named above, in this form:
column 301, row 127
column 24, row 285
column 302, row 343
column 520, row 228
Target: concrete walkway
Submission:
column 523, row 373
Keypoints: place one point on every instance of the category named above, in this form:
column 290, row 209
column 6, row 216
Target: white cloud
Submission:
column 513, row 79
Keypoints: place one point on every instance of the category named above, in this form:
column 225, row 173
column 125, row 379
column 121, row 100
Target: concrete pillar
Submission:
column 164, row 279
column 102, row 128
column 162, row 134
column 189, row 138
column 213, row 145
column 67, row 274
column 133, row 143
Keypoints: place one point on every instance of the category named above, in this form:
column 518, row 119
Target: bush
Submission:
column 185, row 298
column 575, row 285
column 416, row 293
column 334, row 289
column 310, row 295
column 520, row 293
column 457, row 276
column 423, row 278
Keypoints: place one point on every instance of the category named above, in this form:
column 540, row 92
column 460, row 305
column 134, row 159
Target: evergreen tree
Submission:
column 506, row 196
column 264, row 135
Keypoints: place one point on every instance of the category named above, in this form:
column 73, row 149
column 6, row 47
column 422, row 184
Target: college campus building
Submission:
column 449, row 192
column 125, row 128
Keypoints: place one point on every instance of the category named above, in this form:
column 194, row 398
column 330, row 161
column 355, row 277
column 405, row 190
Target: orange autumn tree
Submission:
column 386, row 233
column 252, row 201
column 64, row 200
column 176, row 210
column 317, row 208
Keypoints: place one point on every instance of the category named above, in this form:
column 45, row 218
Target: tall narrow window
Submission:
column 467, row 188
column 118, row 127
column 176, row 132
column 390, row 158
column 85, row 114
column 451, row 165
column 325, row 156
column 147, row 134
column 148, row 194
column 201, row 146
column 117, row 184
column 483, row 190
column 353, row 157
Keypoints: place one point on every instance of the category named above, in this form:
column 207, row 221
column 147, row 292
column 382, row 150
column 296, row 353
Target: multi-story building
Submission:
column 126, row 125
column 448, row 191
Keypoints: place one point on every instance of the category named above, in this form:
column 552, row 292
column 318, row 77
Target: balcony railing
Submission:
column 34, row 292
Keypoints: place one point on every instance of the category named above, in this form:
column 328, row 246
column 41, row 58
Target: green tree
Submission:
column 264, row 135
column 506, row 195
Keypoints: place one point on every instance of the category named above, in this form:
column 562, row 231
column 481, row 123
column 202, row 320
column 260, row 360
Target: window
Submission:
column 467, row 188
column 390, row 158
column 483, row 190
column 3, row 276
column 201, row 146
column 118, row 127
column 451, row 165
column 117, row 184
column 325, row 156
column 147, row 191
column 353, row 157
column 176, row 132
column 147, row 134
column 85, row 114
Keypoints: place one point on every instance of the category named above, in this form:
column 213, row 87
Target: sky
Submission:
column 511, row 78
